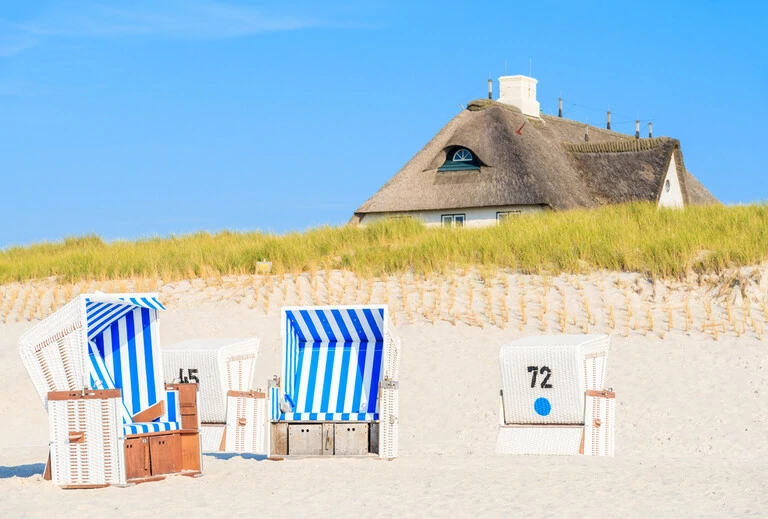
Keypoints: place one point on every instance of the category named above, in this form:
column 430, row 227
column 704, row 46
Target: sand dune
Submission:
column 692, row 413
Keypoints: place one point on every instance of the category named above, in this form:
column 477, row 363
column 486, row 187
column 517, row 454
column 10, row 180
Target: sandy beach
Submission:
column 688, row 362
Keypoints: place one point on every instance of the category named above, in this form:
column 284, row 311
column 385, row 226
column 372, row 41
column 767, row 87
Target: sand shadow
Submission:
column 22, row 471
column 229, row 455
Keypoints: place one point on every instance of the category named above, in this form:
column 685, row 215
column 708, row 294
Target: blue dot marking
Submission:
column 542, row 406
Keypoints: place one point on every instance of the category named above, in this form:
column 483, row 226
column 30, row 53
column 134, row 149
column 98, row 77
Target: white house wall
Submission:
column 474, row 217
column 673, row 197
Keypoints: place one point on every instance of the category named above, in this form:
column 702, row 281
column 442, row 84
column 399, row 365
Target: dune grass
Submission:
column 635, row 237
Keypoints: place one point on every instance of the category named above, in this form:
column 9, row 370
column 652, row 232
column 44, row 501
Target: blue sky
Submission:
column 133, row 119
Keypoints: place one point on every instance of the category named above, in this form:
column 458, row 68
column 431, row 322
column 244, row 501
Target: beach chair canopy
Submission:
column 333, row 361
column 104, row 341
column 544, row 378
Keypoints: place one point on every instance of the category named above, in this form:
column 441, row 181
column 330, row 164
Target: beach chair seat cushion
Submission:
column 329, row 417
column 149, row 427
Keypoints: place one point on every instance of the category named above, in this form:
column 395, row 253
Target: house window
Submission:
column 503, row 215
column 667, row 186
column 459, row 159
column 462, row 155
column 453, row 220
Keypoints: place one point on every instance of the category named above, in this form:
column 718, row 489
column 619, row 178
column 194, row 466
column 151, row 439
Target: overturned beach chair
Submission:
column 97, row 367
column 338, row 393
column 232, row 412
column 553, row 399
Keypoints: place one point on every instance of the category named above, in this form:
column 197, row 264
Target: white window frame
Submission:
column 451, row 220
column 466, row 155
column 503, row 215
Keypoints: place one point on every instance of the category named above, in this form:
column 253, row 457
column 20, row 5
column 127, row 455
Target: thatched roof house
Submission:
column 498, row 158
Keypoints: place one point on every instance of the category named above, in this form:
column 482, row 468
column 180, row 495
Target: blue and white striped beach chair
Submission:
column 338, row 393
column 97, row 367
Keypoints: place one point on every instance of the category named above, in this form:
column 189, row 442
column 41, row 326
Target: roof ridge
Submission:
column 620, row 146
column 478, row 105
column 573, row 122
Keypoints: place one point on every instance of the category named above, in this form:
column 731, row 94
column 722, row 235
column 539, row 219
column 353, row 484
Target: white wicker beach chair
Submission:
column 338, row 394
column 553, row 399
column 97, row 367
column 232, row 411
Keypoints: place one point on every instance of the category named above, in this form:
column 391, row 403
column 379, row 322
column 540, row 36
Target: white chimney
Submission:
column 519, row 91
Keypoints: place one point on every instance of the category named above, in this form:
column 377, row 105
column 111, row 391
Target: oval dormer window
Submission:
column 458, row 158
column 462, row 155
column 667, row 186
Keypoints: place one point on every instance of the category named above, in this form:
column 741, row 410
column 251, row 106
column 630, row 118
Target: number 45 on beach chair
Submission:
column 553, row 400
column 97, row 367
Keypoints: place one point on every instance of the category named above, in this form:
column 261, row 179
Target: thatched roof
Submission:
column 547, row 163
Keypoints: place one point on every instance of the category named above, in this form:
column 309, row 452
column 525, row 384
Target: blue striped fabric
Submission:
column 127, row 348
column 100, row 314
column 123, row 350
column 148, row 427
column 101, row 379
column 332, row 364
column 329, row 417
column 172, row 407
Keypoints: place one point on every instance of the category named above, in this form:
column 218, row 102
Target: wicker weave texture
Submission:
column 389, row 400
column 558, row 381
column 246, row 418
column 96, row 460
column 389, row 424
column 537, row 439
column 211, row 436
column 599, row 429
column 543, row 382
column 203, row 364
column 219, row 365
column 54, row 350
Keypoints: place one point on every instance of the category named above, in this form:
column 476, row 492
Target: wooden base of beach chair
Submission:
column 151, row 455
column 323, row 439
column 161, row 454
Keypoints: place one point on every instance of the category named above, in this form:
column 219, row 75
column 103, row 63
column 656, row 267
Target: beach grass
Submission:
column 633, row 238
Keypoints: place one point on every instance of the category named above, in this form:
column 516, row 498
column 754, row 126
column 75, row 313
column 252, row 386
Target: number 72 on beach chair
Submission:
column 553, row 399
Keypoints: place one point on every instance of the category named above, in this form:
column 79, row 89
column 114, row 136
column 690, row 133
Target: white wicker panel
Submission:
column 99, row 459
column 389, row 423
column 211, row 437
column 220, row 365
column 544, row 378
column 53, row 351
column 594, row 371
column 202, row 364
column 539, row 439
column 240, row 371
column 389, row 395
column 600, row 424
column 246, row 419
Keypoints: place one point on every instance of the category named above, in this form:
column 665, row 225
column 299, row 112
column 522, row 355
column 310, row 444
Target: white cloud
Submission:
column 158, row 18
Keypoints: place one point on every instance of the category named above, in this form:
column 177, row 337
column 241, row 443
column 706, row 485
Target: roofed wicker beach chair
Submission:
column 338, row 393
column 232, row 412
column 553, row 399
column 97, row 366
